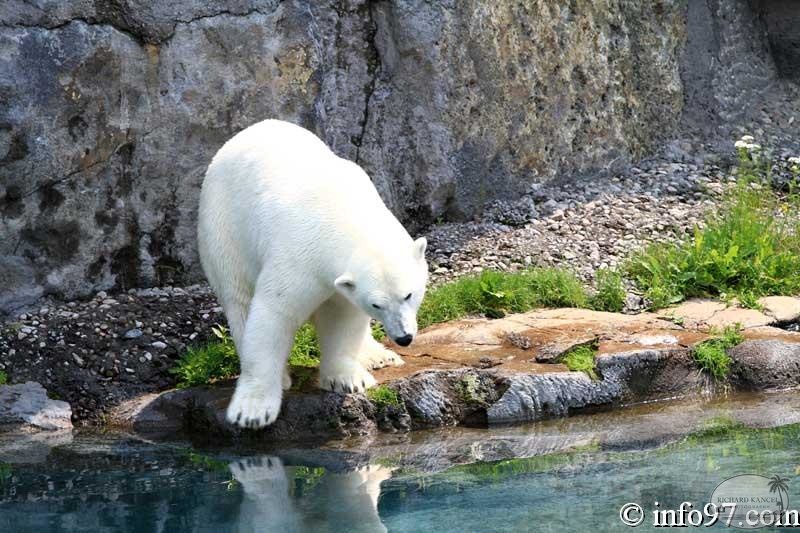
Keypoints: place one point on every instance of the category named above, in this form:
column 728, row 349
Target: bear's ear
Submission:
column 420, row 245
column 345, row 283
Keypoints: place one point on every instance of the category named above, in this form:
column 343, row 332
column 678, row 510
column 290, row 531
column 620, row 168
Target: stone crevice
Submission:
column 140, row 37
column 373, row 69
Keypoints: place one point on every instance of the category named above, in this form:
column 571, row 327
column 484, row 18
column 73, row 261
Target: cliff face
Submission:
column 112, row 109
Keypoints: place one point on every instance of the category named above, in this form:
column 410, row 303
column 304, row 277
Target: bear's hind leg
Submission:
column 341, row 328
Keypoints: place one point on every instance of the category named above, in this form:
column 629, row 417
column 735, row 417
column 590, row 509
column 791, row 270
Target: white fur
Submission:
column 289, row 231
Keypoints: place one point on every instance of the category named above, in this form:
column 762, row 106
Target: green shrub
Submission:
column 581, row 359
column 611, row 294
column 305, row 351
column 383, row 397
column 378, row 332
column 751, row 248
column 3, row 378
column 215, row 360
column 495, row 294
column 712, row 355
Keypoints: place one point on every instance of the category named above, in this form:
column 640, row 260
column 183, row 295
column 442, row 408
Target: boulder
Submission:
column 27, row 406
column 766, row 364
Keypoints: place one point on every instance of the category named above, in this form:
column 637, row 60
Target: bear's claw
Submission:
column 375, row 356
column 356, row 380
column 252, row 409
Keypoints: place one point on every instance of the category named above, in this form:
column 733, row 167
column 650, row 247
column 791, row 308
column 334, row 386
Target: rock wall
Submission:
column 112, row 109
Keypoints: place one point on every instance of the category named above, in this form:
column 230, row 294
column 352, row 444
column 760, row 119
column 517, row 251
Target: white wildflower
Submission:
column 748, row 138
column 794, row 160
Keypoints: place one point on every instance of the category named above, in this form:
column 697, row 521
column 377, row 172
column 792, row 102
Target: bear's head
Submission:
column 389, row 287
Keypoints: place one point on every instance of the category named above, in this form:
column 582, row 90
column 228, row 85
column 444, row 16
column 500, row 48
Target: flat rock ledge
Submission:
column 477, row 372
column 25, row 407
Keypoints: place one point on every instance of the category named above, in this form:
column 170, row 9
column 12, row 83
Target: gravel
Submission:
column 96, row 353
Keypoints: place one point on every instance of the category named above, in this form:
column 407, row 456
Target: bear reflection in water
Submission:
column 346, row 501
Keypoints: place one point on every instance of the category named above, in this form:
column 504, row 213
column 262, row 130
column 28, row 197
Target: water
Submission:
column 567, row 475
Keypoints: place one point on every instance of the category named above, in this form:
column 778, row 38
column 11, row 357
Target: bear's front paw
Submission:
column 377, row 356
column 253, row 409
column 346, row 377
column 251, row 469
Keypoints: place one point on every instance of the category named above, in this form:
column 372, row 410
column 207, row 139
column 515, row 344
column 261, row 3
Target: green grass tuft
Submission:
column 495, row 294
column 383, row 397
column 581, row 359
column 218, row 359
column 203, row 364
column 305, row 351
column 749, row 249
column 611, row 294
column 712, row 355
column 3, row 378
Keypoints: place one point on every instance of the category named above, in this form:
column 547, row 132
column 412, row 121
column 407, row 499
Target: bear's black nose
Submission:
column 405, row 340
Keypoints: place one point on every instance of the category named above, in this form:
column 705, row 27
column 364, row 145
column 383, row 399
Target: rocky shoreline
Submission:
column 477, row 372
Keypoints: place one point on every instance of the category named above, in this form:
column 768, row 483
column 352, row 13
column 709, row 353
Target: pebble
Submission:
column 133, row 333
column 159, row 345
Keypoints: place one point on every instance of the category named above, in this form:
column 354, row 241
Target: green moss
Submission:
column 3, row 378
column 469, row 390
column 581, row 359
column 712, row 355
column 383, row 397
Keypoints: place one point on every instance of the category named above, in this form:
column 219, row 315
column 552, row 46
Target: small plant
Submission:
column 581, row 359
column 3, row 378
column 215, row 360
column 712, row 355
column 749, row 249
column 495, row 299
column 378, row 332
column 383, row 397
column 610, row 295
column 305, row 351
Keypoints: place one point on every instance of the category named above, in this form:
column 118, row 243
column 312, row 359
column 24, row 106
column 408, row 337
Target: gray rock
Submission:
column 26, row 405
column 766, row 364
column 448, row 105
column 133, row 333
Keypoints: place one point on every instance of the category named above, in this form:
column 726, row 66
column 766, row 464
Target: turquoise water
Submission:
column 122, row 484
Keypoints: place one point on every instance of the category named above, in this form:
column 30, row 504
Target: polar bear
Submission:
column 287, row 232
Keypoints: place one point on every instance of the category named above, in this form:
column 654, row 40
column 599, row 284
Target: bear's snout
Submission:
column 405, row 340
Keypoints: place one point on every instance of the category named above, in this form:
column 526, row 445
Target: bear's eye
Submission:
column 376, row 306
column 408, row 296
